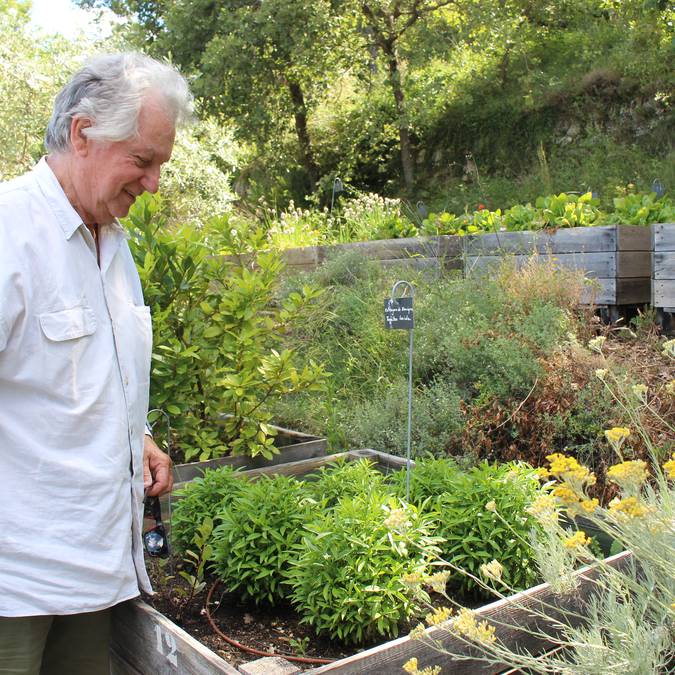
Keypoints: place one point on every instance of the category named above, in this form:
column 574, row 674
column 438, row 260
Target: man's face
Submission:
column 115, row 173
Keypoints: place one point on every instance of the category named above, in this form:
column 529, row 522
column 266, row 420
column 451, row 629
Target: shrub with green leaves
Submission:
column 429, row 478
column 217, row 332
column 344, row 479
column 641, row 209
column 256, row 541
column 347, row 580
column 484, row 518
column 203, row 497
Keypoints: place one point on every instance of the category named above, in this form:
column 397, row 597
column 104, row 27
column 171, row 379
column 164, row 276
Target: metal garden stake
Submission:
column 398, row 314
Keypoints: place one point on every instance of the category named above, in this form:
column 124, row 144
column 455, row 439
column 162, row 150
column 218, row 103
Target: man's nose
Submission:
column 150, row 180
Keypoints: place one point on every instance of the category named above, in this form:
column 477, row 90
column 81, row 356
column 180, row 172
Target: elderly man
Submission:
column 75, row 344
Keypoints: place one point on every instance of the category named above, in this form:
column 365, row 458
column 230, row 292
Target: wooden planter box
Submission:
column 663, row 266
column 423, row 253
column 146, row 642
column 616, row 257
column 293, row 446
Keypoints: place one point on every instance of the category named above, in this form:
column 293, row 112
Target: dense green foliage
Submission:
column 347, row 580
column 203, row 497
column 217, row 360
column 254, row 544
column 460, row 102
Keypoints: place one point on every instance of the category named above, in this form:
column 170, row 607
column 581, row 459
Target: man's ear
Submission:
column 78, row 139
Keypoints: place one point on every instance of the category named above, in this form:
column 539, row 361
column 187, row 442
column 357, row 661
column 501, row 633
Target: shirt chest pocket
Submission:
column 68, row 324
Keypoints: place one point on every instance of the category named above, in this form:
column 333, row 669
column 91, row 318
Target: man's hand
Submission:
column 157, row 473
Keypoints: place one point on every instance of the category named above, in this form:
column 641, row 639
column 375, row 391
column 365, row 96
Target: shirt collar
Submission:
column 67, row 217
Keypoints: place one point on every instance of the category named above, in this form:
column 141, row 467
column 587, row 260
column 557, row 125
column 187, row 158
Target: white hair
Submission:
column 109, row 90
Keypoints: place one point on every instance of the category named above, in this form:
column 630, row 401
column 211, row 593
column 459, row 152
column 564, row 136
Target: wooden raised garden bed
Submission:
column 663, row 267
column 293, row 446
column 428, row 253
column 146, row 642
column 616, row 257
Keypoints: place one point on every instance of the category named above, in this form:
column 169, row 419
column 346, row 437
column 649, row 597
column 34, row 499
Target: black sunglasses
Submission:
column 155, row 541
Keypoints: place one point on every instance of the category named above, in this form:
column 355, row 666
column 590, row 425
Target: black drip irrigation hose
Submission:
column 252, row 650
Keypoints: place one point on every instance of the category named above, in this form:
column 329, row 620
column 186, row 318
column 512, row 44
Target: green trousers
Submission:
column 75, row 644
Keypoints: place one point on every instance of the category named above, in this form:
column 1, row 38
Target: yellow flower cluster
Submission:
column 413, row 580
column 669, row 467
column 542, row 472
column 545, row 509
column 491, row 506
column 589, row 505
column 601, row 373
column 629, row 475
column 669, row 348
column 492, row 570
column 629, row 507
column 410, row 667
column 597, row 343
column 438, row 581
column 640, row 391
column 617, row 434
column 577, row 540
column 466, row 624
column 397, row 520
column 566, row 495
column 438, row 616
column 568, row 468
column 417, row 632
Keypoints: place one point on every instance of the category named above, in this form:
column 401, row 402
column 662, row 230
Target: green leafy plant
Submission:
column 565, row 210
column 194, row 562
column 430, row 478
column 200, row 499
column 217, row 332
column 347, row 578
column 641, row 209
column 254, row 544
column 474, row 535
column 344, row 479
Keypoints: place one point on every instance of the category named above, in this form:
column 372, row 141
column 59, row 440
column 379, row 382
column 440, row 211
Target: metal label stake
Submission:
column 398, row 315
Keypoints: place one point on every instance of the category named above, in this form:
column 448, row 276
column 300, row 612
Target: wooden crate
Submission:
column 146, row 642
column 663, row 266
column 615, row 257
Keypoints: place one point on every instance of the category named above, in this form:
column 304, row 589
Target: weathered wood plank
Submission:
column 663, row 294
column 388, row 249
column 633, row 264
column 304, row 256
column 573, row 240
column 118, row 666
column 420, row 264
column 600, row 265
column 663, row 236
column 149, row 642
column 599, row 292
column 664, row 264
column 503, row 614
column 633, row 238
column 316, row 447
column 635, row 291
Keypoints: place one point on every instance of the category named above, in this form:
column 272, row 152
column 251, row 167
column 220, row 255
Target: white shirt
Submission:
column 75, row 345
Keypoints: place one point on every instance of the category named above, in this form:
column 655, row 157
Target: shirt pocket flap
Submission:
column 68, row 324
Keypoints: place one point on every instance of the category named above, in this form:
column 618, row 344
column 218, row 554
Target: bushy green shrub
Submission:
column 217, row 330
column 381, row 423
column 641, row 209
column 429, row 478
column 201, row 498
column 347, row 580
column 484, row 518
column 255, row 543
column 344, row 479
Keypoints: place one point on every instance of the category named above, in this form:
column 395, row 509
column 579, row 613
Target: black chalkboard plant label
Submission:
column 398, row 313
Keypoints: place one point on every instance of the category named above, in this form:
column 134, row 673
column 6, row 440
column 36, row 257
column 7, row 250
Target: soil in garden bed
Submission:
column 276, row 630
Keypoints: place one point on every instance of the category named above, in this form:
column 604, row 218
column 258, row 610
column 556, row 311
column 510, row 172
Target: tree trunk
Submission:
column 300, row 114
column 407, row 162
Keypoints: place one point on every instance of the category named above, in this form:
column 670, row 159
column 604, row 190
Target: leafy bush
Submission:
column 430, row 478
column 203, row 497
column 483, row 518
column 347, row 580
column 641, row 209
column 566, row 210
column 254, row 545
column 217, row 327
column 344, row 479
